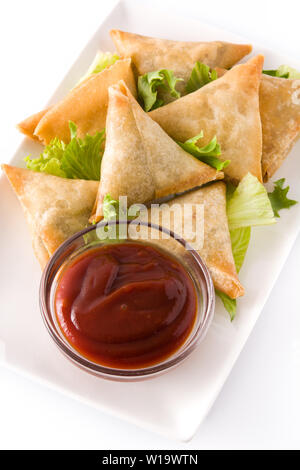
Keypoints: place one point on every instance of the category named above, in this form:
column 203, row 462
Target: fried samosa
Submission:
column 29, row 124
column 140, row 160
column 279, row 104
column 55, row 208
column 280, row 118
column 86, row 105
column 150, row 54
column 215, row 247
column 227, row 108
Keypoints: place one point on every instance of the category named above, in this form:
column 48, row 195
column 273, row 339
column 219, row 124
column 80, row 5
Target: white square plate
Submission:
column 175, row 403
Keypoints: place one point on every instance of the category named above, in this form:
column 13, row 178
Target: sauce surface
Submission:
column 125, row 305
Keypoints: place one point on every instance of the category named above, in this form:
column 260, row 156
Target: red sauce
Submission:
column 125, row 305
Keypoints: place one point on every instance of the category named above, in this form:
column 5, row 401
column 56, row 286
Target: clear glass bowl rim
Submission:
column 121, row 374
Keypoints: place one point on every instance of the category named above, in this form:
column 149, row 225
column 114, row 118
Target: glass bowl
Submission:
column 129, row 232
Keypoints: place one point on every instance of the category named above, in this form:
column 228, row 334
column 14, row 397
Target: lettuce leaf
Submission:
column 229, row 304
column 50, row 160
column 249, row 205
column 278, row 197
column 80, row 159
column 240, row 238
column 283, row 71
column 201, row 75
column 100, row 62
column 110, row 207
column 207, row 154
column 150, row 83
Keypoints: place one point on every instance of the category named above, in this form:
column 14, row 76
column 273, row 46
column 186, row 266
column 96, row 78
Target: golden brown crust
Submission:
column 38, row 246
column 85, row 105
column 140, row 160
column 216, row 251
column 279, row 105
column 280, row 116
column 228, row 108
column 216, row 248
column 55, row 208
column 149, row 54
column 40, row 250
column 29, row 124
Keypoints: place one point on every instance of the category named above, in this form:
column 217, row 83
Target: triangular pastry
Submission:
column 279, row 104
column 85, row 105
column 55, row 208
column 215, row 245
column 29, row 124
column 149, row 54
column 140, row 160
column 227, row 108
column 280, row 118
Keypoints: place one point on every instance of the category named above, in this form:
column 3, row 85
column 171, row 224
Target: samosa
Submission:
column 280, row 117
column 149, row 54
column 29, row 124
column 227, row 108
column 279, row 104
column 55, row 208
column 140, row 160
column 215, row 248
column 85, row 105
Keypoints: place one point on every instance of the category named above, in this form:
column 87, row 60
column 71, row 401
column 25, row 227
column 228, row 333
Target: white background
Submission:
column 257, row 407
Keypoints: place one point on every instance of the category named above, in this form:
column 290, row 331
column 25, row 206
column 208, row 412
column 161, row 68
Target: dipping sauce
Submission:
column 125, row 305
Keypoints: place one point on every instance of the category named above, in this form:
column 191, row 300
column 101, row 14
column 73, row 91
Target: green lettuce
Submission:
column 247, row 205
column 150, row 83
column 284, row 71
column 229, row 304
column 278, row 197
column 240, row 238
column 201, row 75
column 50, row 160
column 100, row 62
column 207, row 154
column 110, row 208
column 79, row 159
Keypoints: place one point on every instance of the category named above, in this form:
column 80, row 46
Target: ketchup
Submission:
column 125, row 305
